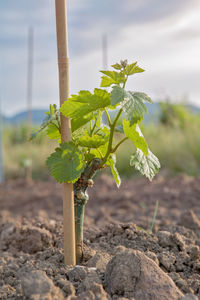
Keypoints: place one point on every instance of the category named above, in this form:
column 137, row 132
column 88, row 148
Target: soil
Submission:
column 117, row 236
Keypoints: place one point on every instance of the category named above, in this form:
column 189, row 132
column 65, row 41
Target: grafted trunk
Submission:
column 80, row 200
column 79, row 219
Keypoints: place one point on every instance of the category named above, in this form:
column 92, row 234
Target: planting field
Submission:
column 119, row 219
column 122, row 259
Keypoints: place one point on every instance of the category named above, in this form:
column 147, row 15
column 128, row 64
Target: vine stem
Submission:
column 59, row 129
column 90, row 127
column 117, row 146
column 93, row 128
column 112, row 128
column 108, row 117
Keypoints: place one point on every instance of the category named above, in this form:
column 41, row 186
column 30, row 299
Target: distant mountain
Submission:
column 152, row 116
column 154, row 111
column 39, row 114
column 194, row 109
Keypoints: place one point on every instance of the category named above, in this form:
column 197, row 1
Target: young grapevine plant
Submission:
column 92, row 146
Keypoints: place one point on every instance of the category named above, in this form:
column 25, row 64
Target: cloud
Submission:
column 161, row 35
column 97, row 18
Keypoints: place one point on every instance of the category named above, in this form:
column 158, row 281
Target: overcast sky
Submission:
column 163, row 36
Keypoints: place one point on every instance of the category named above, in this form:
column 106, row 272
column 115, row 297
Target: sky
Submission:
column 162, row 36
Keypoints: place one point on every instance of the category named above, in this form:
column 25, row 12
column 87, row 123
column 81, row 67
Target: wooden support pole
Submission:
column 63, row 66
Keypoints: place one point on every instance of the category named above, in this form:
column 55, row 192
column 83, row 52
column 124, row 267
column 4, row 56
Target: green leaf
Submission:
column 133, row 68
column 79, row 106
column 98, row 119
column 111, row 162
column 106, row 81
column 113, row 78
column 117, row 66
column 134, row 107
column 106, row 131
column 132, row 103
column 81, row 121
column 112, row 74
column 134, row 134
column 117, row 95
column 53, row 132
column 82, row 97
column 51, row 116
column 66, row 163
column 94, row 141
column 147, row 165
column 130, row 68
column 44, row 124
column 101, row 151
column 89, row 156
column 142, row 97
column 53, row 109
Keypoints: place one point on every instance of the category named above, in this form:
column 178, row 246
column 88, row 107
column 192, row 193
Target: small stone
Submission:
column 7, row 232
column 117, row 230
column 88, row 253
column 182, row 260
column 99, row 261
column 174, row 276
column 177, row 238
column 88, row 282
column 194, row 252
column 164, row 238
column 196, row 266
column 52, row 223
column 66, row 286
column 119, row 249
column 129, row 233
column 167, row 260
column 182, row 284
column 77, row 274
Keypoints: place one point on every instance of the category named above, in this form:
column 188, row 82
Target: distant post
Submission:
column 105, row 51
column 63, row 66
column 1, row 146
column 29, row 102
column 30, row 76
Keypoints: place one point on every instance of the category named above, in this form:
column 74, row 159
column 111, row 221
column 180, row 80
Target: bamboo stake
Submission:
column 63, row 66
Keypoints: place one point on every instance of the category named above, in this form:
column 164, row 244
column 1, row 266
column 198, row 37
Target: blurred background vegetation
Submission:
column 174, row 136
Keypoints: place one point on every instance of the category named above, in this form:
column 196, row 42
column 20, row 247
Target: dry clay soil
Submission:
column 122, row 259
